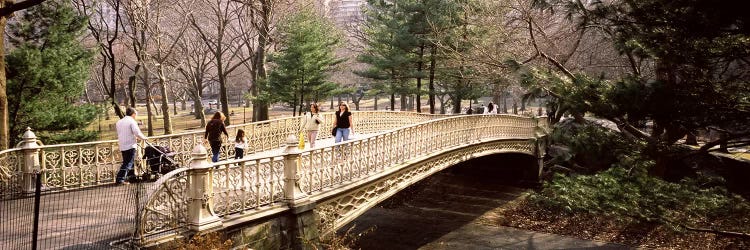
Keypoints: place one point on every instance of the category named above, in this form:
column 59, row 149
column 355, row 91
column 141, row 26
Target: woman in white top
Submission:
column 240, row 144
column 311, row 123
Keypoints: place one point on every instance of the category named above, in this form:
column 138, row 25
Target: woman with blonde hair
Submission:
column 343, row 123
column 214, row 129
column 311, row 124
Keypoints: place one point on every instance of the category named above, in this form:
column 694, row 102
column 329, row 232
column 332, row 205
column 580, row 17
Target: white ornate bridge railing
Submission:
column 71, row 166
column 239, row 189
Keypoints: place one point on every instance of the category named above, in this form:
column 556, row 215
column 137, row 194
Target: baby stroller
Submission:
column 159, row 161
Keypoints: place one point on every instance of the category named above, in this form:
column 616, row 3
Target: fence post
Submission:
column 30, row 151
column 201, row 216
column 292, row 192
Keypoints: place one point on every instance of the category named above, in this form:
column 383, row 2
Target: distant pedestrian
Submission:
column 311, row 124
column 343, row 123
column 240, row 144
column 127, row 134
column 491, row 108
column 214, row 129
column 484, row 109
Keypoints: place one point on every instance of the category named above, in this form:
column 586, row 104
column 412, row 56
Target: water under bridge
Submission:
column 278, row 196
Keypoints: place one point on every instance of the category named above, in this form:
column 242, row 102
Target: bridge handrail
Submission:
column 435, row 136
column 11, row 162
column 76, row 165
column 253, row 183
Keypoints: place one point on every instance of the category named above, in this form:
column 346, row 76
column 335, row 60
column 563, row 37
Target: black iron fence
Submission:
column 101, row 217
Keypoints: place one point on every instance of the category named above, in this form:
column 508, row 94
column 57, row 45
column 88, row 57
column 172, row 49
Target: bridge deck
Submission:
column 88, row 218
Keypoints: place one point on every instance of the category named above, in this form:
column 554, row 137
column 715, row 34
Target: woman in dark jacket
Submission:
column 343, row 123
column 214, row 128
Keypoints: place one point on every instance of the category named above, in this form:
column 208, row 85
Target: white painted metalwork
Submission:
column 71, row 166
column 347, row 178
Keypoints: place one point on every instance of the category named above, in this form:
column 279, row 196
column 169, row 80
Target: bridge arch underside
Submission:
column 499, row 157
column 505, row 167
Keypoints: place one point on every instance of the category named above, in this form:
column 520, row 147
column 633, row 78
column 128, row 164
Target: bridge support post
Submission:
column 201, row 216
column 292, row 192
column 301, row 224
column 31, row 161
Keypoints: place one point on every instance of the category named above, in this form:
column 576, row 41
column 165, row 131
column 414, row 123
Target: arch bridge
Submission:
column 295, row 196
column 279, row 196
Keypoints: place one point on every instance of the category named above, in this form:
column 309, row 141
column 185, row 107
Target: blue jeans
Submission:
column 127, row 164
column 342, row 133
column 215, row 150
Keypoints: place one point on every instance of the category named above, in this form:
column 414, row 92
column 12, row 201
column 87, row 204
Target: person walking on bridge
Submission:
column 311, row 125
column 214, row 128
column 343, row 123
column 127, row 134
column 492, row 108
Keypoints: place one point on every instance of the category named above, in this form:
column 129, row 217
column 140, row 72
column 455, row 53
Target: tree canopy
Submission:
column 306, row 56
column 47, row 71
column 689, row 68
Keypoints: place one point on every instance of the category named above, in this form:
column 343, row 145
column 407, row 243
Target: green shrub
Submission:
column 627, row 191
column 592, row 146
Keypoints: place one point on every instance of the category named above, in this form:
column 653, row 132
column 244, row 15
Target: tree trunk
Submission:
column 375, row 107
column 150, row 128
column 149, row 112
column 4, row 136
column 165, row 102
column 260, row 108
column 131, row 85
column 393, row 101
column 505, row 102
column 457, row 104
column 420, row 64
column 223, row 96
column 403, row 102
column 431, row 86
column 198, row 109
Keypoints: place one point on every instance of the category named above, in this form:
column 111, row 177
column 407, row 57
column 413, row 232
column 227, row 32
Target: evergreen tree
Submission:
column 306, row 56
column 389, row 47
column 47, row 72
column 404, row 39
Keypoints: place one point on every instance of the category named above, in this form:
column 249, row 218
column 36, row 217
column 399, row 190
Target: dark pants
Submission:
column 239, row 153
column 127, row 164
column 215, row 149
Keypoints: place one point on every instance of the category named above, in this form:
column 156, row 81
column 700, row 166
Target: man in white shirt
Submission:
column 127, row 134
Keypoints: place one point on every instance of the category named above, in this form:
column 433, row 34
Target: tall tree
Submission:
column 216, row 29
column 304, row 59
column 7, row 8
column 387, row 53
column 47, row 72
column 105, row 30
